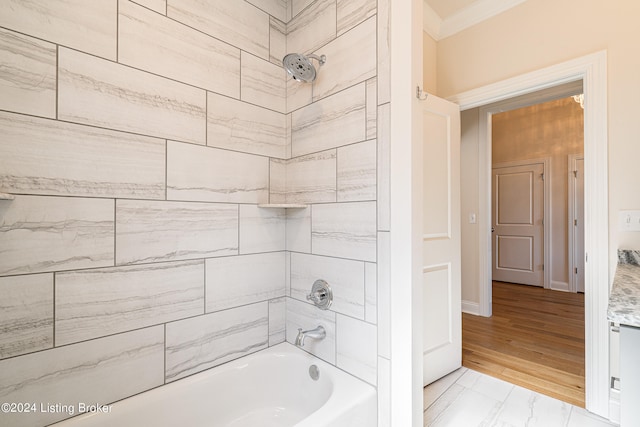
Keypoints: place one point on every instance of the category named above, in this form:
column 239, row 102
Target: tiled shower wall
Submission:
column 138, row 139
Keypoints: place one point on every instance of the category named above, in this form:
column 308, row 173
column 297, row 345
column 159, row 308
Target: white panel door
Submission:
column 517, row 221
column 442, row 328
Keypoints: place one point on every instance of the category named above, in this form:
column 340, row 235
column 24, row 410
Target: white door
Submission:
column 442, row 327
column 578, row 223
column 517, row 224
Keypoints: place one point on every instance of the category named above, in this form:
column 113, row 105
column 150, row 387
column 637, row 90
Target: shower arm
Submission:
column 321, row 59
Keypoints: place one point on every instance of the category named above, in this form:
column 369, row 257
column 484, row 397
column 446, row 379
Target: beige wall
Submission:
column 555, row 130
column 430, row 63
column 540, row 33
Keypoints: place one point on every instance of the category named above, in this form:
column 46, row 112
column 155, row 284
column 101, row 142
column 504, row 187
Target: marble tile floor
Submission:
column 466, row 398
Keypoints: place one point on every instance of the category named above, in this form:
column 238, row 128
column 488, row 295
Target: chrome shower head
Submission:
column 300, row 67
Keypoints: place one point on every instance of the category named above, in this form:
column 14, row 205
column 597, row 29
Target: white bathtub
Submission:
column 271, row 388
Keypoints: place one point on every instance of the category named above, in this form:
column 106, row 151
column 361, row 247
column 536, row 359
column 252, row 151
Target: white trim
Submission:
column 559, row 286
column 571, row 202
column 431, row 21
column 476, row 12
column 614, row 406
column 548, row 220
column 471, row 307
column 592, row 70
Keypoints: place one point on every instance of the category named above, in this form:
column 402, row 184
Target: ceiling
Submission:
column 444, row 18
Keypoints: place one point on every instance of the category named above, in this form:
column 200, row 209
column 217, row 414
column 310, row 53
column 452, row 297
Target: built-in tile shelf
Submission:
column 283, row 205
column 7, row 196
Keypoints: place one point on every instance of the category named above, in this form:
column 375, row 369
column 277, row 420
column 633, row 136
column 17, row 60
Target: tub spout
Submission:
column 317, row 334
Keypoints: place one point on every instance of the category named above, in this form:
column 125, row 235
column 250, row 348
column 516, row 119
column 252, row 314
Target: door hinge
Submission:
column 575, row 222
column 542, row 176
column 575, row 174
column 576, row 270
column 542, row 267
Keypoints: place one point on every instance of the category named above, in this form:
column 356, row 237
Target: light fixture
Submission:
column 579, row 99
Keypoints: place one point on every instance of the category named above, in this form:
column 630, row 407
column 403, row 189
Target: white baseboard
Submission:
column 614, row 406
column 560, row 286
column 471, row 307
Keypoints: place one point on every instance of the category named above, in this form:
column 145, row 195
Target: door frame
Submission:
column 546, row 233
column 571, row 201
column 592, row 70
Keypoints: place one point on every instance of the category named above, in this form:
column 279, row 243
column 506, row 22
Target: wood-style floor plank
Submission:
column 534, row 339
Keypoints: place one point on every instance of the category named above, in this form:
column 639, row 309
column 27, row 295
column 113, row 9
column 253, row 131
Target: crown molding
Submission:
column 478, row 11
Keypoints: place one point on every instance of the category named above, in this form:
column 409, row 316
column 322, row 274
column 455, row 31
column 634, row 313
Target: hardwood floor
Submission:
column 534, row 339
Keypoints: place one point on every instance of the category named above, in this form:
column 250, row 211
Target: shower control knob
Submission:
column 321, row 294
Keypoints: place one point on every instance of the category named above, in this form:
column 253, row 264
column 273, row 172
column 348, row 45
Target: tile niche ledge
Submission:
column 6, row 196
column 283, row 205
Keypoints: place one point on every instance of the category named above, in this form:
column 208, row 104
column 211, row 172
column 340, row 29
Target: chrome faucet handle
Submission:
column 321, row 294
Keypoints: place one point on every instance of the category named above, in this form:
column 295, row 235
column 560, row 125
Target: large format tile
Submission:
column 40, row 234
column 239, row 126
column 307, row 317
column 353, row 12
column 484, row 384
column 371, row 292
column 171, row 231
column 277, row 41
column 384, row 51
column 433, row 391
column 384, row 168
column 40, row 156
column 345, row 230
column 28, row 75
column 203, row 342
column 97, row 371
column 236, row 22
column 245, row 279
column 262, row 229
column 208, row 174
column 312, row 28
column 26, row 315
column 263, row 83
column 89, row 26
column 312, row 178
column 331, row 122
column 299, row 230
column 98, row 302
column 384, row 294
column 275, row 8
column 357, row 172
column 102, row 93
column 372, row 107
column 356, row 348
column 345, row 277
column 526, row 407
column 159, row 6
column 277, row 321
column 351, row 59
column 298, row 6
column 461, row 407
column 277, row 181
column 154, row 43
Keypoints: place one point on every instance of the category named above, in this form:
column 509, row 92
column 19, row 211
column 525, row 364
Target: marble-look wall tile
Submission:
column 299, row 230
column 275, row 8
column 41, row 156
column 196, row 173
column 277, row 181
column 262, row 229
column 372, row 107
column 312, row 178
column 384, row 168
column 26, row 314
column 287, row 273
column 384, row 294
column 331, row 122
column 105, row 94
column 384, row 52
column 346, row 230
column 356, row 348
column 171, row 231
column 313, row 28
column 277, row 321
column 102, row 370
column 40, row 234
column 277, row 41
column 352, row 13
column 351, row 59
column 203, row 342
column 370, row 292
column 239, row 126
column 307, row 316
column 98, row 302
column 159, row 6
column 245, row 279
column 298, row 6
column 235, row 22
column 154, row 43
column 345, row 277
column 27, row 75
column 357, row 172
column 89, row 26
column 298, row 94
column 263, row 83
